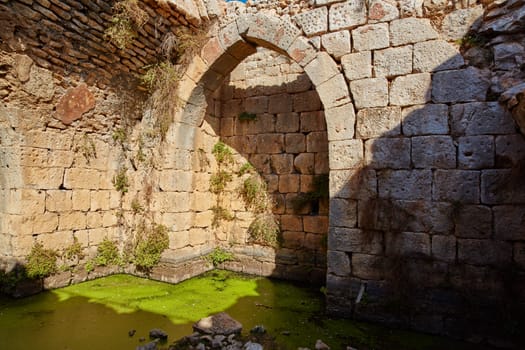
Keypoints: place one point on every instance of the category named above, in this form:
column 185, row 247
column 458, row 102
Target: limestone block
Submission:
column 257, row 104
column 393, row 61
column 81, row 200
column 270, row 143
column 392, row 153
column 295, row 143
column 21, row 246
column 382, row 11
column 282, row 163
column 289, row 183
column 304, row 163
column 203, row 219
column 473, row 221
column 280, row 33
column 337, row 44
column 261, row 162
column 281, row 103
column 292, row 239
column 306, row 101
column 353, row 184
column 411, row 8
column 456, row 186
column 371, row 37
column 334, row 92
column 57, row 240
column 42, row 178
column 371, row 92
column 411, row 30
column 444, row 248
column 211, row 51
column 411, row 89
column 58, row 200
column 476, row 152
column 508, row 222
column 316, row 142
column 458, row 23
column 407, row 244
column 340, row 122
column 502, row 186
column 94, row 219
column 378, row 122
column 484, row 252
column 171, row 202
column 436, row 55
column 463, row 85
column 315, row 224
column 298, row 83
column 301, row 51
column 74, row 220
column 178, row 181
column 291, row 223
column 321, row 69
column 321, row 163
column 343, row 213
column 99, row 200
column 426, row 119
column 405, row 184
column 480, row 118
column 81, row 178
column 357, row 65
column 339, row 263
column 347, row 15
column 263, row 123
column 510, row 150
column 287, row 122
column 40, row 83
column 312, row 121
column 433, row 152
column 313, row 22
column 313, row 241
column 45, row 223
column 178, row 221
column 345, row 154
column 370, row 267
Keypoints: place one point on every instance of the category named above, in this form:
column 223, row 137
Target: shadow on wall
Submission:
column 429, row 233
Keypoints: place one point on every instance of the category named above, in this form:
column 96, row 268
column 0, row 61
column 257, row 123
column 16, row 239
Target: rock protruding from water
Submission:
column 220, row 323
column 149, row 346
column 158, row 334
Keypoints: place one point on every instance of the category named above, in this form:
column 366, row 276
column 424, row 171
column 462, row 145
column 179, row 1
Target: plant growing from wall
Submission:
column 107, row 253
column 41, row 262
column 87, row 148
column 219, row 180
column 128, row 17
column 264, row 230
column 219, row 256
column 149, row 246
column 120, row 180
column 222, row 153
column 320, row 191
column 245, row 116
column 219, row 214
column 246, row 168
column 255, row 194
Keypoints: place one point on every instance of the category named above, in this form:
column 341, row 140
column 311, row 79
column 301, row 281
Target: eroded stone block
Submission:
column 393, row 61
column 460, row 186
column 464, row 85
column 345, row 154
column 436, row 55
column 378, row 122
column 411, row 30
column 425, row 119
column 411, row 89
column 337, row 44
column 433, row 152
column 392, row 153
column 405, row 184
column 371, row 37
column 313, row 22
column 476, row 152
column 371, row 92
column 357, row 65
column 347, row 15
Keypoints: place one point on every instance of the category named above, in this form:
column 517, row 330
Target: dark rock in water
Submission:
column 252, row 346
column 141, row 339
column 149, row 346
column 220, row 323
column 320, row 345
column 193, row 339
column 200, row 346
column 285, row 332
column 258, row 329
column 132, row 332
column 158, row 334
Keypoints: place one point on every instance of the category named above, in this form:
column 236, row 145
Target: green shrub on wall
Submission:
column 41, row 262
column 149, row 247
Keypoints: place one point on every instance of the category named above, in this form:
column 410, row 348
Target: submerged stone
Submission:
column 220, row 323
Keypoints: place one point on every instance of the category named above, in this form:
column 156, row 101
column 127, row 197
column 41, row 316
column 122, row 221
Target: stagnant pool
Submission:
column 99, row 314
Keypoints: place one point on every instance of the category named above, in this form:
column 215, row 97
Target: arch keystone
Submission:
column 272, row 33
column 301, row 51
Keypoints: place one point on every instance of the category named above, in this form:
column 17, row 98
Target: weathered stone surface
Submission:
column 368, row 266
column 405, row 184
column 220, row 323
column 301, row 51
column 340, row 122
column 458, row 23
column 476, row 152
column 23, row 67
column 343, row 212
column 371, row 92
column 321, row 69
column 345, row 154
column 353, row 184
column 347, row 15
column 456, row 186
column 425, row 119
column 370, row 37
column 510, row 150
column 75, row 102
column 502, row 186
column 508, row 55
column 357, row 65
column 306, row 101
column 337, row 44
column 355, row 241
column 271, row 31
column 378, row 122
column 436, row 55
column 316, row 141
column 313, row 22
column 381, row 153
column 411, row 30
column 480, row 118
column 393, row 61
column 464, row 85
column 444, row 248
column 410, row 89
column 407, row 244
column 339, row 263
column 508, row 222
column 382, row 11
column 334, row 92
column 473, row 221
column 40, row 83
column 484, row 252
column 433, row 152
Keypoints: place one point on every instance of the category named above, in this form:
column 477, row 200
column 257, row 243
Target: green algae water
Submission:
column 99, row 314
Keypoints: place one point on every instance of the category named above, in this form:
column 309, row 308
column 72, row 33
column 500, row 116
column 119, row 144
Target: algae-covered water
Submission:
column 99, row 314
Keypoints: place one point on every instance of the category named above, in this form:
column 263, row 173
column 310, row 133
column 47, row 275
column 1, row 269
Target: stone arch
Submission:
column 236, row 41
